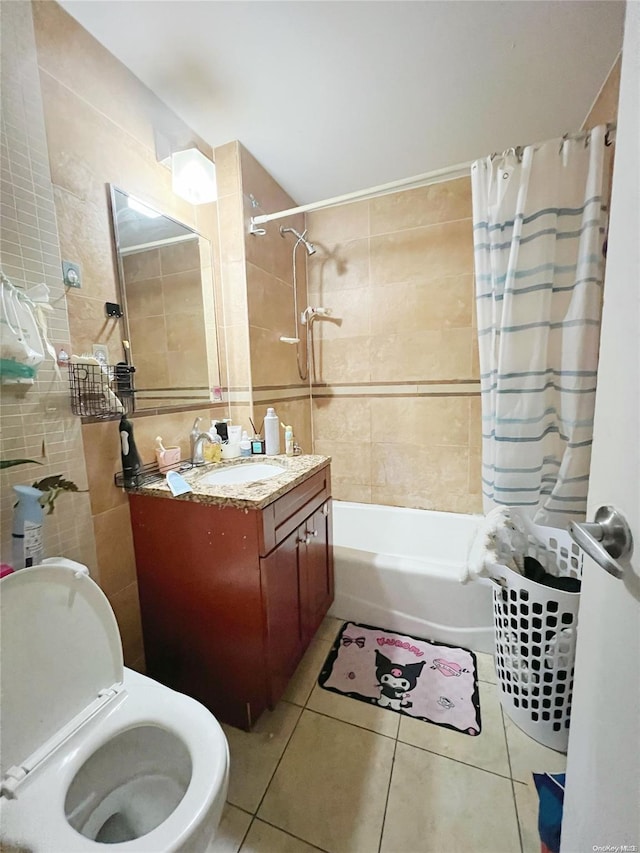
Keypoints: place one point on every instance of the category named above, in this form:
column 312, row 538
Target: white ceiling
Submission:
column 338, row 96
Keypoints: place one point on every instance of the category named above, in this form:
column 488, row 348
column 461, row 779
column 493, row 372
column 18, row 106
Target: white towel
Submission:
column 493, row 543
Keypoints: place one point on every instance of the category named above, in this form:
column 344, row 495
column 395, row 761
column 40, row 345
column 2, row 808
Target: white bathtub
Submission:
column 399, row 569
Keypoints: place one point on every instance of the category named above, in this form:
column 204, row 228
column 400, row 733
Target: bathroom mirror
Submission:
column 167, row 294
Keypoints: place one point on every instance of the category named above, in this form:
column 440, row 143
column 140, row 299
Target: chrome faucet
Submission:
column 197, row 456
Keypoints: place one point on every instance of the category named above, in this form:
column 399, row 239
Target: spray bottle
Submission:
column 28, row 549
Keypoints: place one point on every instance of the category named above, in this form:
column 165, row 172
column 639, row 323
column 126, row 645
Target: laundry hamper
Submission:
column 535, row 628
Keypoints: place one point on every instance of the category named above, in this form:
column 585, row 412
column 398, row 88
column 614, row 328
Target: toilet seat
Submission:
column 36, row 784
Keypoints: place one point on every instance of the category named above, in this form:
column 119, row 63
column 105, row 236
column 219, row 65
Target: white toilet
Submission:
column 96, row 756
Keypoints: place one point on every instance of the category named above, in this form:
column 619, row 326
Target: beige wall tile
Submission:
column 238, row 363
column 342, row 418
column 425, row 420
column 89, row 325
column 114, row 547
column 182, row 293
column 102, row 456
column 444, row 202
column 144, row 298
column 186, row 333
column 475, row 422
column 350, row 314
column 429, row 305
column 343, row 490
column 180, row 257
column 152, row 369
column 351, row 461
column 148, row 334
column 227, row 160
column 431, row 355
column 434, row 470
column 442, row 250
column 341, row 266
column 189, row 369
column 142, row 266
column 270, row 302
column 336, row 225
column 343, row 360
column 272, row 362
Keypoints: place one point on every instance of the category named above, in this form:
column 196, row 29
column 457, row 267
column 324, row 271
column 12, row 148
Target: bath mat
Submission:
column 429, row 681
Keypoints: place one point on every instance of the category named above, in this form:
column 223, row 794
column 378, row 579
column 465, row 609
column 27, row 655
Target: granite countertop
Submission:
column 256, row 495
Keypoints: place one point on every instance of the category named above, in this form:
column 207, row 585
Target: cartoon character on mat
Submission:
column 396, row 680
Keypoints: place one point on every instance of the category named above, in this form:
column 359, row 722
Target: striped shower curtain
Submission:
column 539, row 217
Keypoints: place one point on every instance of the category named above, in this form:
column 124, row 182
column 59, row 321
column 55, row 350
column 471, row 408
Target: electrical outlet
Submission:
column 101, row 353
column 71, row 274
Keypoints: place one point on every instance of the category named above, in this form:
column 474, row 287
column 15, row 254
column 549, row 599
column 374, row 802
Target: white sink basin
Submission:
column 247, row 473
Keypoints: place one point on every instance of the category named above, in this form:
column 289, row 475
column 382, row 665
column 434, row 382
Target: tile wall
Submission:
column 100, row 123
column 164, row 304
column 270, row 304
column 36, row 418
column 396, row 393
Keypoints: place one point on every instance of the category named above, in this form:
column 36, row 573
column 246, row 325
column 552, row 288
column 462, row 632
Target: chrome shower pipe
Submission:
column 301, row 238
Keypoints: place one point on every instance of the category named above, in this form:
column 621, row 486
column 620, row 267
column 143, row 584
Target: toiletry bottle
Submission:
column 272, row 433
column 193, row 435
column 245, row 444
column 131, row 464
column 28, row 549
column 212, row 451
column 288, row 440
column 257, row 446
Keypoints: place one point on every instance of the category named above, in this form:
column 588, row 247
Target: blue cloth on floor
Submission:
column 550, row 788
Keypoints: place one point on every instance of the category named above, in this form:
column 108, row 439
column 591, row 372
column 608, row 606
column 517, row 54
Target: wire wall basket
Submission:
column 102, row 390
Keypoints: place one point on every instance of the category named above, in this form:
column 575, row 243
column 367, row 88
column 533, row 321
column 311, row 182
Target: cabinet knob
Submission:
column 311, row 533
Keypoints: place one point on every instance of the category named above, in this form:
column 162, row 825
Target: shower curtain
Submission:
column 539, row 218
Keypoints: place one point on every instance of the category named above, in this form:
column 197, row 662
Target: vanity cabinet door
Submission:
column 316, row 570
column 282, row 607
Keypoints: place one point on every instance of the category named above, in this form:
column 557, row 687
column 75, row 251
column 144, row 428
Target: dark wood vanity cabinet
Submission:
column 231, row 598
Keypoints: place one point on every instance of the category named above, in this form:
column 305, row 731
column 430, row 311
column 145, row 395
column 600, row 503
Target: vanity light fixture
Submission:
column 193, row 176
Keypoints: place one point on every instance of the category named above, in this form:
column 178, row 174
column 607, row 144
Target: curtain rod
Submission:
column 450, row 173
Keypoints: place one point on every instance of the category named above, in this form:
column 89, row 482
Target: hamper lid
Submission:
column 61, row 651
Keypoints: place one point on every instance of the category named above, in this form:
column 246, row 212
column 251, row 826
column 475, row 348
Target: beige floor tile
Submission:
column 306, row 675
column 329, row 628
column 254, row 755
column 436, row 804
column 486, row 668
column 527, row 806
column 331, row 786
column 527, row 756
column 488, row 750
column 379, row 720
column 233, row 828
column 263, row 838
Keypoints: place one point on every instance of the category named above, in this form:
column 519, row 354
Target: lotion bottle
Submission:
column 272, row 433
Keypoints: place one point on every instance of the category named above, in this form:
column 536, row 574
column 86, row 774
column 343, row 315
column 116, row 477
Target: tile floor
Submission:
column 324, row 772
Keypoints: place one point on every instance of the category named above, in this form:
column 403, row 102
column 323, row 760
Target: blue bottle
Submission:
column 28, row 548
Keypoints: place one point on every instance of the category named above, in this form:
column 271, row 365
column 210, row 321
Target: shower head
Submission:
column 301, row 238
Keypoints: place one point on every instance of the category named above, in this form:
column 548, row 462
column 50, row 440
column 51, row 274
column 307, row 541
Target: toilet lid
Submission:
column 60, row 648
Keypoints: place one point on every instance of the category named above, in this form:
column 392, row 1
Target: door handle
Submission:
column 605, row 540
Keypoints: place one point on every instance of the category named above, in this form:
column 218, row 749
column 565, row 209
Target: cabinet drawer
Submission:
column 284, row 515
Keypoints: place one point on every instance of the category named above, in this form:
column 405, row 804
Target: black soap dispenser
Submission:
column 131, row 464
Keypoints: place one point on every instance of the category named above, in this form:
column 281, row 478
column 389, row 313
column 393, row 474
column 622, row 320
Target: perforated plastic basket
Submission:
column 536, row 639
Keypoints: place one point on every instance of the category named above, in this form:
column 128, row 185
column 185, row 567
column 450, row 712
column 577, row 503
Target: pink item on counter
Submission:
column 5, row 569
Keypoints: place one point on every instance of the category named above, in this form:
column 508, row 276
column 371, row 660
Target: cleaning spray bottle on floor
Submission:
column 28, row 548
